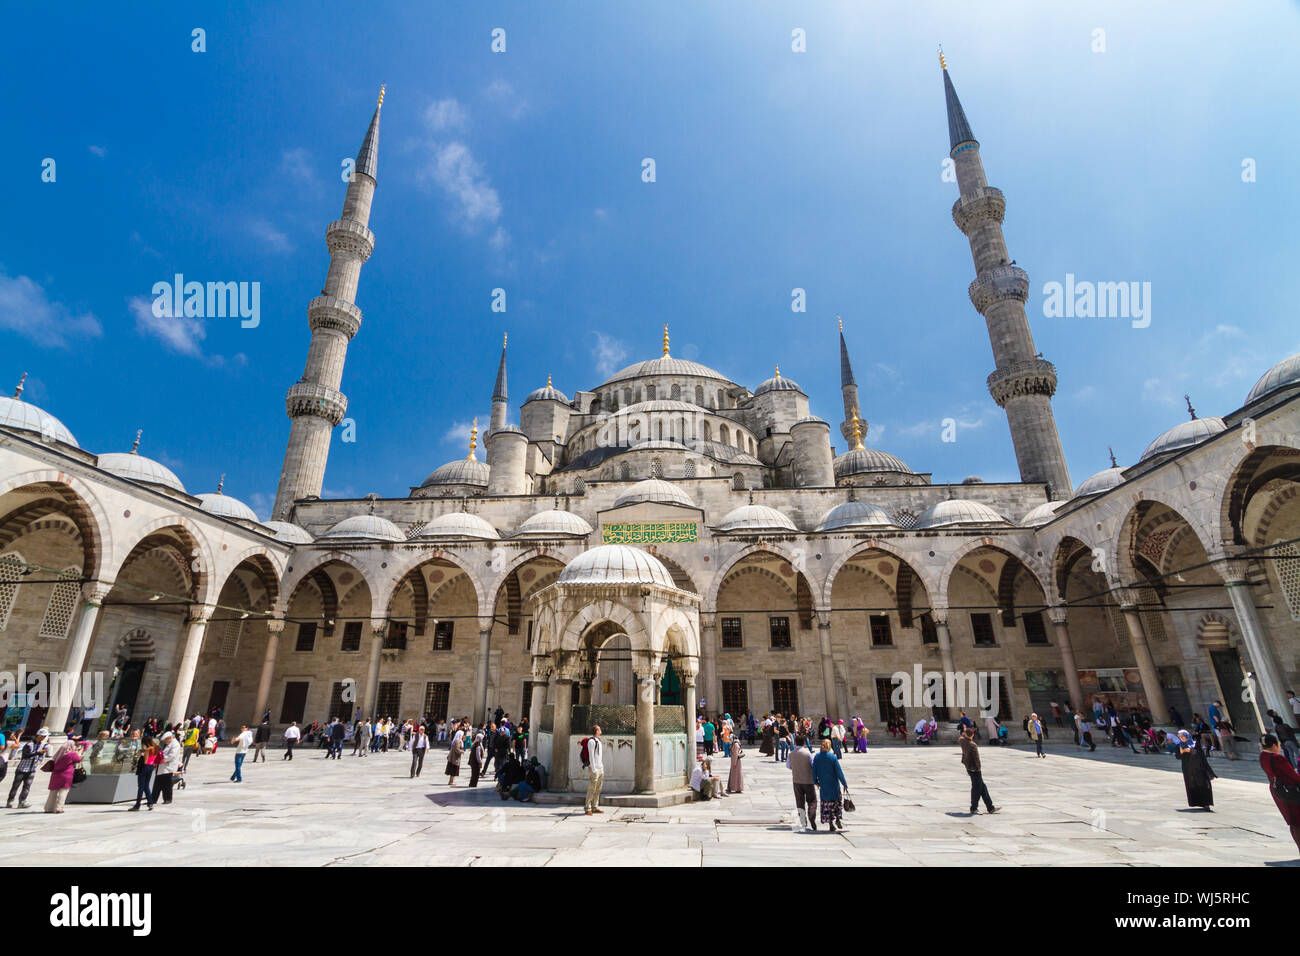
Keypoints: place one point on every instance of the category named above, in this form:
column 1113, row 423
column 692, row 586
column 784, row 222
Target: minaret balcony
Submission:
column 1035, row 377
column 984, row 204
column 319, row 400
column 999, row 283
column 348, row 237
column 334, row 314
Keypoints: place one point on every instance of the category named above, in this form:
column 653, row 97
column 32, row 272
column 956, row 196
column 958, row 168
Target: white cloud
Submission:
column 454, row 170
column 608, row 353
column 500, row 239
column 1161, row 392
column 296, row 164
column 445, row 114
column 178, row 333
column 269, row 236
column 507, row 99
column 99, row 151
column 26, row 309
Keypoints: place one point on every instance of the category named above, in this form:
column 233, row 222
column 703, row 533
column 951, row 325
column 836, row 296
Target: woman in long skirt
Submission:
column 862, row 732
column 476, row 760
column 1197, row 772
column 1281, row 776
column 736, row 778
column 453, row 761
column 768, row 747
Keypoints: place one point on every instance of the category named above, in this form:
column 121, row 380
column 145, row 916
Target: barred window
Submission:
column 735, row 698
column 929, row 632
column 1288, row 573
column 982, row 625
column 63, row 605
column 785, row 697
column 731, row 634
column 341, row 698
column 780, row 627
column 690, row 469
column 306, row 636
column 881, row 636
column 395, row 636
column 351, row 636
column 230, row 633
column 389, row 701
column 436, row 695
column 1035, row 632
column 442, row 635
column 657, row 465
column 11, row 566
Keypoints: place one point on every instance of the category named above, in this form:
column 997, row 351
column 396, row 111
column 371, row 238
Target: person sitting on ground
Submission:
column 703, row 782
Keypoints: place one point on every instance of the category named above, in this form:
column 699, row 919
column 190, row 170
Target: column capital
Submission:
column 275, row 625
column 94, row 592
column 823, row 617
column 200, row 613
column 485, row 625
column 378, row 627
column 1128, row 598
column 1057, row 615
column 940, row 616
column 708, row 621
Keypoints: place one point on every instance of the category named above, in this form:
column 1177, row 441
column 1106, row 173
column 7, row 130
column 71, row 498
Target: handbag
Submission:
column 1289, row 794
column 78, row 776
column 47, row 767
column 848, row 803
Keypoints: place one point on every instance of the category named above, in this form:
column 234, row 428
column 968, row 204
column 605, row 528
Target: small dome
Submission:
column 1102, row 481
column 778, row 384
column 512, row 429
column 458, row 524
column 616, row 564
column 132, row 465
column 288, row 532
column 224, row 506
column 1040, row 514
column 855, row 514
column 756, row 518
column 1184, row 435
column 957, row 511
column 366, row 526
column 1284, row 373
column 654, row 490
column 810, row 420
column 547, row 393
column 23, row 416
column 463, row 471
column 972, row 480
column 862, row 461
column 553, row 523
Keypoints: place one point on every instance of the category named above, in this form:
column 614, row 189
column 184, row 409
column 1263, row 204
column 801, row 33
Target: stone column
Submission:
column 74, row 658
column 1268, row 675
column 369, row 698
column 710, row 681
column 1058, row 616
column 196, row 624
column 644, row 768
column 940, row 616
column 560, row 734
column 688, row 704
column 274, row 628
column 481, row 679
column 1142, row 653
column 828, row 665
column 584, row 690
column 535, row 712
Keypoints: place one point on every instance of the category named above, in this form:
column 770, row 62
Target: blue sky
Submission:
column 522, row 170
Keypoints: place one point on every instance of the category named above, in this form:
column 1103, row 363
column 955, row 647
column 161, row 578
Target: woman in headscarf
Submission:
column 453, row 759
column 1283, row 783
column 476, row 757
column 736, row 778
column 829, row 776
column 768, row 747
column 860, row 732
column 1197, row 772
column 62, row 767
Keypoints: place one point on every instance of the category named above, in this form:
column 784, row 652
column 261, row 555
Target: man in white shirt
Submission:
column 165, row 775
column 242, row 743
column 704, row 782
column 291, row 737
column 596, row 766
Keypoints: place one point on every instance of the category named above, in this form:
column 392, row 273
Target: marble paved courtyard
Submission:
column 1107, row 808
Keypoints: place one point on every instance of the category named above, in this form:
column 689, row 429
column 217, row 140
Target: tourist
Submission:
column 454, row 754
column 1197, row 772
column 419, row 745
column 860, row 732
column 1284, row 783
column 829, row 775
column 365, row 730
column 1228, row 739
column 476, row 760
column 1282, row 730
column 291, row 737
column 703, row 782
column 596, row 769
column 145, row 761
column 1056, row 713
column 709, row 731
column 521, row 739
column 1035, row 728
column 29, row 758
column 751, row 728
column 837, row 739
column 801, row 776
column 724, row 735
column 736, row 777
column 1085, row 733
column 338, row 731
column 63, row 767
column 242, row 743
column 992, row 724
column 262, row 737
column 785, row 737
column 165, row 770
column 189, row 746
column 768, row 747
column 970, row 759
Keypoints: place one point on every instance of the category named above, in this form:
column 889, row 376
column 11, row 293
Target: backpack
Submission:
column 582, row 752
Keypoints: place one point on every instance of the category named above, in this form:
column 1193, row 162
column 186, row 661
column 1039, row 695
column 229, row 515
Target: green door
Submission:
column 670, row 688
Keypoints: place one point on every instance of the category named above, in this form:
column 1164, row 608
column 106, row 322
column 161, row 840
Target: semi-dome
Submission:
column 1040, row 514
column 1103, row 480
column 23, row 416
column 616, row 564
column 665, row 365
column 288, row 532
column 1284, row 373
column 957, row 511
column 1184, row 435
column 756, row 518
column 553, row 523
column 458, row 524
column 862, row 461
column 855, row 514
column 136, row 467
column 463, row 471
column 366, row 526
column 224, row 506
column 655, row 490
column 778, row 384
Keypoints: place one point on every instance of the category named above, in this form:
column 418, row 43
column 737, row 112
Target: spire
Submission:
column 665, row 340
column 135, row 445
column 499, row 389
column 368, row 154
column 18, row 392
column 221, row 484
column 548, row 379
column 1113, row 462
column 1190, row 411
column 857, row 433
column 846, row 368
column 778, row 371
column 958, row 128
column 473, row 441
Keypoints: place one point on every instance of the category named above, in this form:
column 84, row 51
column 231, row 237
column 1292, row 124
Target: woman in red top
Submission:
column 1280, row 773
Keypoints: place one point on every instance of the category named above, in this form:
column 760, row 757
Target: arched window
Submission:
column 11, row 568
column 677, row 393
column 737, row 482
column 724, row 435
column 595, row 405
column 659, row 429
column 751, row 446
column 62, row 606
column 719, row 398
column 627, row 396
column 657, row 468
column 649, row 393
column 699, row 394
column 708, row 432
column 690, row 469
column 626, row 471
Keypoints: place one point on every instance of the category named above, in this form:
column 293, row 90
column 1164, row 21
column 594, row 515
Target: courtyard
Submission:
column 1072, row 809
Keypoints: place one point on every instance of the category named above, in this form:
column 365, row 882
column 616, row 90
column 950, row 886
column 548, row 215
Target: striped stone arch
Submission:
column 715, row 584
column 135, row 645
column 304, row 566
column 574, row 629
column 270, row 567
column 753, row 569
column 202, row 565
column 563, row 553
column 1211, row 623
column 983, row 582
column 84, row 508
column 1125, row 542
column 1246, row 479
column 1032, row 564
column 1285, row 491
column 409, row 561
column 873, row 575
column 888, row 548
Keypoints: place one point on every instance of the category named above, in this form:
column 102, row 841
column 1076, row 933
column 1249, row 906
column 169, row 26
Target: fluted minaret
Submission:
column 315, row 404
column 1023, row 382
column 500, row 397
column 849, row 390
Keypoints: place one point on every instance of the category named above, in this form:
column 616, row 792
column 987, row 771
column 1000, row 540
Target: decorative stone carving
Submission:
column 987, row 204
column 996, row 284
column 348, row 237
column 331, row 313
column 1035, row 377
column 318, row 400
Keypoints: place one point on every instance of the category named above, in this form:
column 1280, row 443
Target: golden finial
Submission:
column 505, row 337
column 548, row 379
column 1190, row 411
column 19, row 390
column 382, row 86
column 841, row 324
column 943, row 64
column 221, row 483
column 473, row 441
column 857, row 433
column 665, row 340
column 1113, row 462
column 136, row 444
column 778, row 371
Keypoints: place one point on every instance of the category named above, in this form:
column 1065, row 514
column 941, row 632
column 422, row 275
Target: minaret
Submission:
column 315, row 404
column 1023, row 382
column 848, row 389
column 500, row 398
